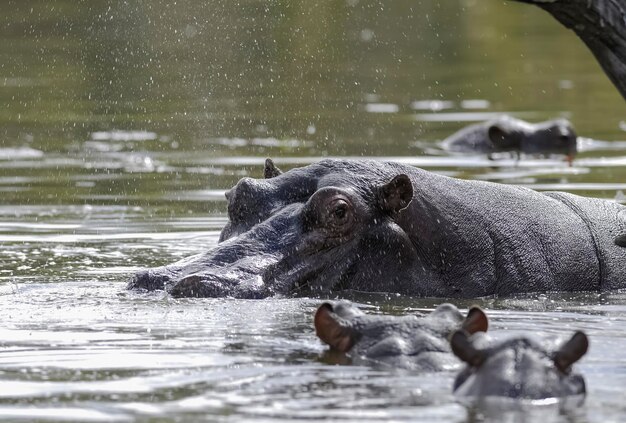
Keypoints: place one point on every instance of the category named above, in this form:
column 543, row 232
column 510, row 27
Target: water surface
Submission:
column 123, row 123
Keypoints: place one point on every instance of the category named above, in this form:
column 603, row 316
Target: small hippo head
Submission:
column 550, row 137
column 328, row 226
column 408, row 342
column 518, row 368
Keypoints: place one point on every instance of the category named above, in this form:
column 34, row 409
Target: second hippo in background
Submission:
column 410, row 342
column 508, row 134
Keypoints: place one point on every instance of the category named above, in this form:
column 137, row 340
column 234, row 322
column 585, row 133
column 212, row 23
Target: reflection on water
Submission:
column 86, row 346
column 124, row 122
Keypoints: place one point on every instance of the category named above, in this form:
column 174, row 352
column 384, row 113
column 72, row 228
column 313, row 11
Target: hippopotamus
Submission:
column 410, row 342
column 519, row 367
column 507, row 133
column 386, row 227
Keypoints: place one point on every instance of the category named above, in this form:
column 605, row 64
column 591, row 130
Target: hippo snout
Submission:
column 214, row 286
column 203, row 285
column 149, row 280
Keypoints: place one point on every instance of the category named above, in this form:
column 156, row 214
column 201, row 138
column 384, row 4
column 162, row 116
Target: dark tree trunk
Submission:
column 601, row 24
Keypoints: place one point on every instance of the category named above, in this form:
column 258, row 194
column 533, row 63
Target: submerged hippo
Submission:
column 386, row 227
column 410, row 342
column 517, row 368
column 506, row 133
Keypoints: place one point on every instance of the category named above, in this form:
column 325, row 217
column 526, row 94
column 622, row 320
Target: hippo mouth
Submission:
column 256, row 264
column 215, row 280
column 252, row 277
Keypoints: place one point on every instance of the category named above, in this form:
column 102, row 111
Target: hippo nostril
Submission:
column 140, row 280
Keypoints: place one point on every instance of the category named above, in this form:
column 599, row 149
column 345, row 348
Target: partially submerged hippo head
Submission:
column 518, row 368
column 507, row 133
column 409, row 342
column 553, row 136
column 326, row 226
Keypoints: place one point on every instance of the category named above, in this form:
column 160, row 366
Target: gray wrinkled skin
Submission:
column 518, row 368
column 386, row 227
column 413, row 342
column 506, row 133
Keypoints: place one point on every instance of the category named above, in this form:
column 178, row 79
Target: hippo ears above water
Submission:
column 332, row 327
column 571, row 351
column 271, row 170
column 476, row 321
column 396, row 194
column 334, row 330
column 462, row 347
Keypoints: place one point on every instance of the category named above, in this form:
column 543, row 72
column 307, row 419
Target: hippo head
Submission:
column 518, row 368
column 550, row 137
column 410, row 342
column 327, row 226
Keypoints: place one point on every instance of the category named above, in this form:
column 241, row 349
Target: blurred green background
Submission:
column 133, row 100
column 193, row 69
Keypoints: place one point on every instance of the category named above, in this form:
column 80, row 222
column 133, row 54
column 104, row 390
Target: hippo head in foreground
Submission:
column 414, row 342
column 327, row 226
column 517, row 368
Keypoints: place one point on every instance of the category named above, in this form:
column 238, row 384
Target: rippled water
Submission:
column 122, row 125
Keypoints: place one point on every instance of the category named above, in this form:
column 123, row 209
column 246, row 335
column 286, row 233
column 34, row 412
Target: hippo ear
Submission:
column 496, row 134
column 501, row 137
column 571, row 351
column 463, row 349
column 271, row 170
column 330, row 330
column 476, row 321
column 396, row 194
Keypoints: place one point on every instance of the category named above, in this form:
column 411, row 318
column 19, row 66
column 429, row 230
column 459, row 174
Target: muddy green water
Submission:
column 123, row 122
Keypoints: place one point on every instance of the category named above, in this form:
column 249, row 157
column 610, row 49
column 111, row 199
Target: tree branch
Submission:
column 601, row 24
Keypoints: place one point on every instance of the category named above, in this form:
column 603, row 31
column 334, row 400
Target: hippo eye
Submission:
column 340, row 211
column 331, row 211
column 339, row 217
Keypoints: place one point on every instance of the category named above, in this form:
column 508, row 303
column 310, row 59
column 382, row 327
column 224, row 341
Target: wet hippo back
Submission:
column 483, row 238
column 606, row 225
